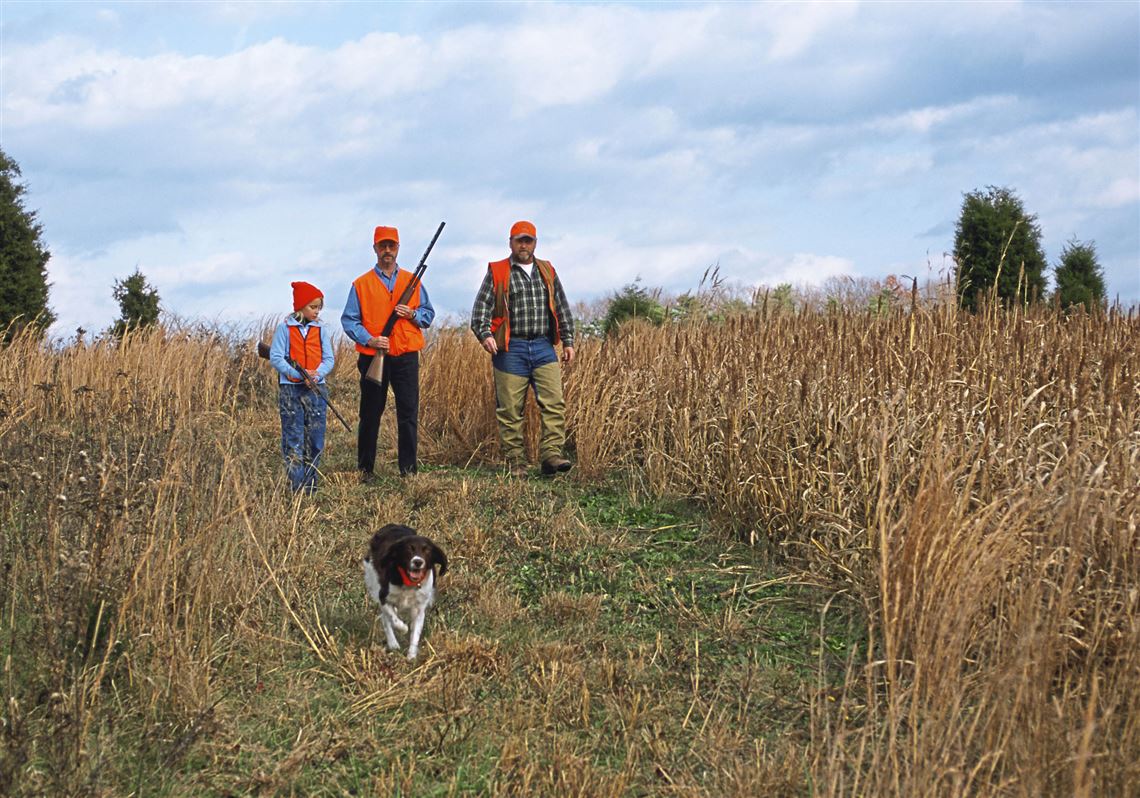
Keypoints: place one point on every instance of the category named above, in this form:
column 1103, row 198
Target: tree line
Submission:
column 997, row 254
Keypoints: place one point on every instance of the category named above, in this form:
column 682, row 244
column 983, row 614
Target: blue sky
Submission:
column 226, row 149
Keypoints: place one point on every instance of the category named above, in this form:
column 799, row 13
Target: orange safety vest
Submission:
column 305, row 350
column 500, row 313
column 377, row 304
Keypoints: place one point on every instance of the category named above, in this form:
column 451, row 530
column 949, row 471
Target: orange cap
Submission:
column 523, row 229
column 385, row 234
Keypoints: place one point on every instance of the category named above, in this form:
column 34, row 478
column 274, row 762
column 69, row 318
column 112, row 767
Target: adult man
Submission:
column 373, row 297
column 520, row 315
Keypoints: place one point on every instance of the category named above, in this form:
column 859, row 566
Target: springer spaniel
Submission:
column 399, row 575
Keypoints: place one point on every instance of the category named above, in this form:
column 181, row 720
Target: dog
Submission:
column 399, row 575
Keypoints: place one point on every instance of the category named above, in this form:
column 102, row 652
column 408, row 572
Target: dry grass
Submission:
column 962, row 490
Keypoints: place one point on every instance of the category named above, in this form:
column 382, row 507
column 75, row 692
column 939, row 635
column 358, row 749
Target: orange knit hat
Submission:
column 523, row 229
column 385, row 234
column 304, row 293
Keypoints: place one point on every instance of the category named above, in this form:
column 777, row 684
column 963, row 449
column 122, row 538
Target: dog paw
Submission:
column 399, row 626
column 413, row 653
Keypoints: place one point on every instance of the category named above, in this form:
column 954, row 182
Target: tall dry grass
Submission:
column 972, row 481
column 969, row 481
column 129, row 539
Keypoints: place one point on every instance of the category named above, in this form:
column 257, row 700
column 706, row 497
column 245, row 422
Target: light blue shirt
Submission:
column 350, row 320
column 279, row 349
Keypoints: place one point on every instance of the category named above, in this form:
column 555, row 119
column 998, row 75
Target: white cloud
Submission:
column 924, row 120
column 1118, row 193
column 800, row 268
column 795, row 27
column 644, row 139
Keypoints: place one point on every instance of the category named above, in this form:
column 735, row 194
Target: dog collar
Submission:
column 408, row 581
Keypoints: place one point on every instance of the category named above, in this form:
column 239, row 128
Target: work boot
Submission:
column 555, row 465
column 516, row 469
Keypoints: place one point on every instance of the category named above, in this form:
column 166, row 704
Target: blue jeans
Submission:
column 302, row 434
column 523, row 357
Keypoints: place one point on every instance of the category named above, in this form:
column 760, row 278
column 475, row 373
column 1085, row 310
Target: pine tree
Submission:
column 633, row 302
column 998, row 243
column 1079, row 277
column 23, row 257
column 138, row 304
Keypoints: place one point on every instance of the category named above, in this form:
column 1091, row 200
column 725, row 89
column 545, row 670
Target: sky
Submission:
column 227, row 149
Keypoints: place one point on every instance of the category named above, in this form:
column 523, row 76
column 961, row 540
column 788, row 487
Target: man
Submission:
column 373, row 297
column 520, row 315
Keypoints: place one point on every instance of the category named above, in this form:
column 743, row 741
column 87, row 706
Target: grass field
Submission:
column 832, row 554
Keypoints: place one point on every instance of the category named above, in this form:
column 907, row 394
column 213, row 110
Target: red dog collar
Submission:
column 408, row 581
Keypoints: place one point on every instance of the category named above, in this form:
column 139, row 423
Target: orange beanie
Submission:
column 304, row 293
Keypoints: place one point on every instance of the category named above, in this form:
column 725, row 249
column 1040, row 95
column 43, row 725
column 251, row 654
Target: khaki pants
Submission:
column 510, row 400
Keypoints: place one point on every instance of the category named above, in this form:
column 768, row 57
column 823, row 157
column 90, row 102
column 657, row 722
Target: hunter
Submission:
column 520, row 314
column 372, row 298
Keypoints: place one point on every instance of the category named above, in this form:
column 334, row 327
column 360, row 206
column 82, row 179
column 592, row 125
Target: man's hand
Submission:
column 490, row 345
column 405, row 312
column 379, row 342
column 567, row 355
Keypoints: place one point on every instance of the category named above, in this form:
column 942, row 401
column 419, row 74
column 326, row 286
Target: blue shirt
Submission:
column 279, row 349
column 350, row 320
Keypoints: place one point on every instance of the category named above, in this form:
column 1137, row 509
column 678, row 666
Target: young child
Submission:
column 302, row 340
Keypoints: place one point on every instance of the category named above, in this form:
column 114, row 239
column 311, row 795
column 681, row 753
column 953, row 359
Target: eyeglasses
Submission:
column 524, row 239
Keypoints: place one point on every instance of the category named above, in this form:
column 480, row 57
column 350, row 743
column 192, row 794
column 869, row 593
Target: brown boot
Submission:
column 555, row 465
column 516, row 469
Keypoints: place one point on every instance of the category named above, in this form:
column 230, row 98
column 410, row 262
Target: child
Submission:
column 302, row 340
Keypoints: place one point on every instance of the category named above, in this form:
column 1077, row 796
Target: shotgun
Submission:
column 376, row 367
column 310, row 383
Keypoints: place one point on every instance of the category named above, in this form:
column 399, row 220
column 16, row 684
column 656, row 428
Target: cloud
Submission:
column 226, row 149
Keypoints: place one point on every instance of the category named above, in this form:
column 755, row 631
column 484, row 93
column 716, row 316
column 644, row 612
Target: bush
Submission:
column 633, row 302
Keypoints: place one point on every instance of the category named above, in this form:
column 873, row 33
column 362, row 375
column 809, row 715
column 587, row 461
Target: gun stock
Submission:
column 375, row 370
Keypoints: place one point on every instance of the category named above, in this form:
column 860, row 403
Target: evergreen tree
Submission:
column 23, row 257
column 1079, row 277
column 138, row 304
column 634, row 302
column 998, row 243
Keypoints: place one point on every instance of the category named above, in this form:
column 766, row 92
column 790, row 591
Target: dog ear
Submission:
column 394, row 552
column 440, row 558
column 381, row 551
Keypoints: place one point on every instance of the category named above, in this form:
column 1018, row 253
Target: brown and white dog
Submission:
column 399, row 575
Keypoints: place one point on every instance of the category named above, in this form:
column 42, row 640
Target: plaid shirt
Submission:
column 528, row 313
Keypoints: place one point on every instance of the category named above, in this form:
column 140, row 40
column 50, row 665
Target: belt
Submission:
column 529, row 337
